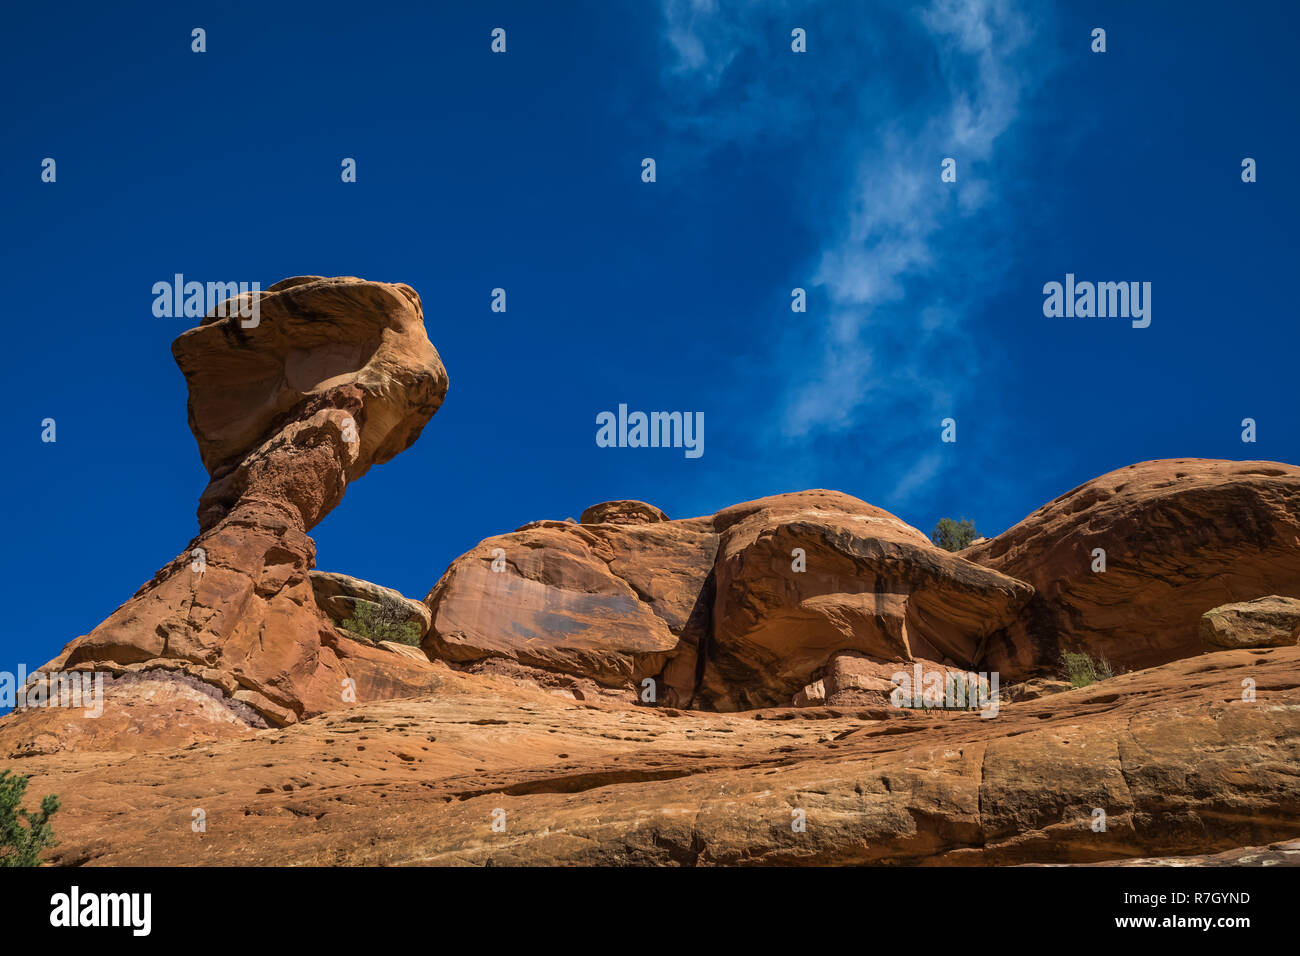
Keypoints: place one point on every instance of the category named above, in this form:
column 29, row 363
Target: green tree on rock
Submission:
column 21, row 845
column 388, row 620
column 954, row 535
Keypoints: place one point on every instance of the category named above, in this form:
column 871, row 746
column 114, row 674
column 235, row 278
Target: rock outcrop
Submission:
column 622, row 512
column 342, row 597
column 849, row 679
column 610, row 602
column 1265, row 622
column 1173, row 756
column 636, row 689
column 336, row 375
column 1036, row 688
column 801, row 577
column 1179, row 537
column 726, row 612
column 747, row 607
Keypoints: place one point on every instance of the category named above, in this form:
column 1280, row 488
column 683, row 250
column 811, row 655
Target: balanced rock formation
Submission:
column 336, row 375
column 1266, row 622
column 726, row 612
column 1179, row 537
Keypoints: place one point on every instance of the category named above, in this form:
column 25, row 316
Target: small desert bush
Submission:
column 953, row 535
column 21, row 845
column 966, row 691
column 388, row 620
column 1080, row 669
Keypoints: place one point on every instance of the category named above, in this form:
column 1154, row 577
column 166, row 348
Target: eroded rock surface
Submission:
column 1285, row 853
column 1180, row 537
column 770, row 633
column 337, row 375
column 1178, row 761
column 725, row 612
column 622, row 512
column 609, row 602
column 1265, row 622
column 803, row 576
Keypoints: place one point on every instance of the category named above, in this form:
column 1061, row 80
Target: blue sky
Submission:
column 522, row 170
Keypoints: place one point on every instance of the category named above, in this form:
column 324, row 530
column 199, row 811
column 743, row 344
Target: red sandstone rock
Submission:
column 146, row 708
column 338, row 375
column 316, row 336
column 540, row 715
column 608, row 602
column 1265, row 622
column 870, row 583
column 629, row 595
column 1180, row 536
column 1179, row 762
column 622, row 512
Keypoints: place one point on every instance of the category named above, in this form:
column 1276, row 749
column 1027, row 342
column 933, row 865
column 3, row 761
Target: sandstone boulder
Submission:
column 608, row 601
column 719, row 611
column 850, row 679
column 622, row 512
column 1265, row 622
column 315, row 337
column 1036, row 688
column 802, row 577
column 339, row 596
column 1180, row 537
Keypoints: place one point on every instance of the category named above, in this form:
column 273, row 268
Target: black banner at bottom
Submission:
column 501, row 905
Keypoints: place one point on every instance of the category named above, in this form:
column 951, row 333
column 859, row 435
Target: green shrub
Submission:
column 389, row 620
column 965, row 690
column 22, row 845
column 1081, row 670
column 954, row 535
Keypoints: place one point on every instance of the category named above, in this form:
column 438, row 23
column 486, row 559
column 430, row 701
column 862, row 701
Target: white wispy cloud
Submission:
column 882, row 346
column 895, row 230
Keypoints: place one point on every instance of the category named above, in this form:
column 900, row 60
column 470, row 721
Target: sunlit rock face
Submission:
column 1125, row 565
column 730, row 611
column 335, row 375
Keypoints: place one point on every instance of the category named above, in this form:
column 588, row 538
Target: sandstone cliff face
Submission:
column 747, row 607
column 1180, row 537
column 337, row 376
